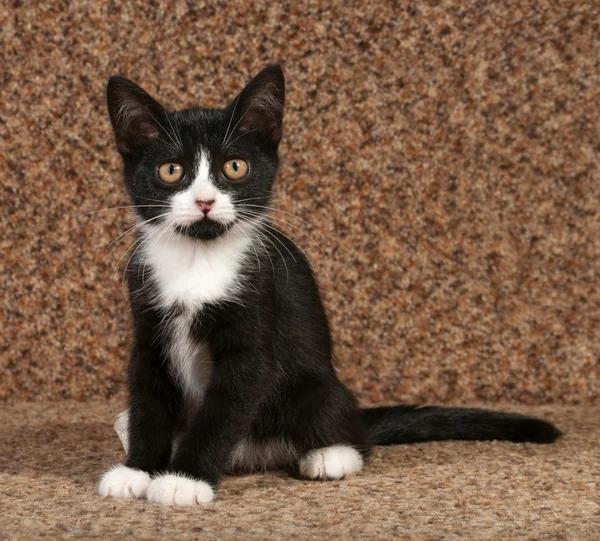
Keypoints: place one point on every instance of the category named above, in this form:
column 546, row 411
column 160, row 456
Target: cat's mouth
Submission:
column 203, row 229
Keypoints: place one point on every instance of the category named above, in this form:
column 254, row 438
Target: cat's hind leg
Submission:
column 329, row 435
column 333, row 462
column 121, row 427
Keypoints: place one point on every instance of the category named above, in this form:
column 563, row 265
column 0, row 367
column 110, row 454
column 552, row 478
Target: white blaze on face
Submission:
column 184, row 209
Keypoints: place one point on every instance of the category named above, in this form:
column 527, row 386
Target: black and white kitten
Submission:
column 232, row 364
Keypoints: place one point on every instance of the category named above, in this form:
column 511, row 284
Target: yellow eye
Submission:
column 235, row 169
column 170, row 172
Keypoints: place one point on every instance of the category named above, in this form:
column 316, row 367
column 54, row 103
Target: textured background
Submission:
column 448, row 154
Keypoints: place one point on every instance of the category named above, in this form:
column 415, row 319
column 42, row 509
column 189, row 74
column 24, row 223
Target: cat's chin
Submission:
column 203, row 230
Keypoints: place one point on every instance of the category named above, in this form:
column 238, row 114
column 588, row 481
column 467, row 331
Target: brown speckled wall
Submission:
column 448, row 155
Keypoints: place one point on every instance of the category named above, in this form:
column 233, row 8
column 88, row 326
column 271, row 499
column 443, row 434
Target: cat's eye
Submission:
column 235, row 169
column 171, row 172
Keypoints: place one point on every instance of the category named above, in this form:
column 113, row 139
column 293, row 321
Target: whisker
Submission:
column 174, row 145
column 169, row 237
column 259, row 238
column 230, row 119
column 136, row 243
column 140, row 243
column 122, row 235
column 115, row 267
column 117, row 208
column 147, row 198
column 158, row 237
column 254, row 199
column 175, row 132
column 279, row 240
column 236, row 125
column 251, row 244
column 290, row 214
column 294, row 243
column 287, row 274
column 278, row 230
column 239, row 137
column 254, row 214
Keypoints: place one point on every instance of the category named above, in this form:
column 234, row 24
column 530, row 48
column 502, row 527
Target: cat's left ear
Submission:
column 135, row 115
column 259, row 106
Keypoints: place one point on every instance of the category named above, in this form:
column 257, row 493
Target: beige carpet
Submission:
column 51, row 456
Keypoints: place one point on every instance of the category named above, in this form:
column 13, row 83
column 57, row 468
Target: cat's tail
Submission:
column 412, row 424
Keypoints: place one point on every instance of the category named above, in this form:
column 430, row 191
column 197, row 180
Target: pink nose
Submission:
column 205, row 206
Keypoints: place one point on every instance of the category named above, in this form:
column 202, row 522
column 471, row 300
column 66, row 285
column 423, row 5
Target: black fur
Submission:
column 411, row 424
column 271, row 346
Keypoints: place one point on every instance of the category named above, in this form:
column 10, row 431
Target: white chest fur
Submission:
column 190, row 274
column 190, row 360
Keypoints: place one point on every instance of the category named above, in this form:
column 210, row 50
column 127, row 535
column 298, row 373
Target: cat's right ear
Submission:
column 135, row 115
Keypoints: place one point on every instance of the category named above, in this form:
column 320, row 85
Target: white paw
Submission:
column 123, row 482
column 333, row 462
column 121, row 427
column 172, row 489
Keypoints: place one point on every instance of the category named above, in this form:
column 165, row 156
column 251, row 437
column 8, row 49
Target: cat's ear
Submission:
column 259, row 106
column 135, row 115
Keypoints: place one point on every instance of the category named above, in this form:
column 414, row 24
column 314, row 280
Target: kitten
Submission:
column 232, row 364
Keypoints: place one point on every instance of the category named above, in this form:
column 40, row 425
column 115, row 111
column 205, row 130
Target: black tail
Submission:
column 411, row 424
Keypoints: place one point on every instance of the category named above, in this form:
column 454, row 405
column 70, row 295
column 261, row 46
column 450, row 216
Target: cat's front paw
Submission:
column 173, row 489
column 123, row 482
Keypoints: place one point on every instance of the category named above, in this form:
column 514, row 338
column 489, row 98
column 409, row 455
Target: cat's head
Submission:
column 199, row 171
